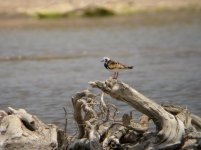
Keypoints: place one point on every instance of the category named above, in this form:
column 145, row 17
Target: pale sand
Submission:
column 11, row 12
column 14, row 7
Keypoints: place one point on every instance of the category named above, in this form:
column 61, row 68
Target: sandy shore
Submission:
column 17, row 8
column 17, row 14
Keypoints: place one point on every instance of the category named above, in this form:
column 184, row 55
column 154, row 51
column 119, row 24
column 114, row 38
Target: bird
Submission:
column 114, row 66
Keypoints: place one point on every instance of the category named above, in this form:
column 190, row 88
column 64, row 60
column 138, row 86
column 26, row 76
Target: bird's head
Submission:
column 105, row 59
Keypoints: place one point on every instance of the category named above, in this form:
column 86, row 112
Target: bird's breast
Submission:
column 106, row 65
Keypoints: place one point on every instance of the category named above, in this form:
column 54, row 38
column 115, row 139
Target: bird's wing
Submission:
column 115, row 65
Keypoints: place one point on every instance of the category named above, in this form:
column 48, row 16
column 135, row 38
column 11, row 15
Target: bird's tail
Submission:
column 129, row 67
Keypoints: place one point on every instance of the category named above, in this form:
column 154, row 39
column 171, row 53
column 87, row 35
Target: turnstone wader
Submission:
column 114, row 66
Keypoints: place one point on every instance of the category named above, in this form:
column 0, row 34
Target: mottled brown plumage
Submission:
column 115, row 66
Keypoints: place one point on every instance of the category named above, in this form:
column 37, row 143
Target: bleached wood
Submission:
column 170, row 129
column 81, row 102
column 100, row 128
column 17, row 132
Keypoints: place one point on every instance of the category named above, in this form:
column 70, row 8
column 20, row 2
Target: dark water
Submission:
column 41, row 69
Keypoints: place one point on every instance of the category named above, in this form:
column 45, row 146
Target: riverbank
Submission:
column 42, row 14
column 159, row 17
column 21, row 9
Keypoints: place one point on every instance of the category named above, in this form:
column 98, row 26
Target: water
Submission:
column 41, row 69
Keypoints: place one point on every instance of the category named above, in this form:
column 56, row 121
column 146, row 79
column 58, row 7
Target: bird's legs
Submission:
column 115, row 75
column 112, row 75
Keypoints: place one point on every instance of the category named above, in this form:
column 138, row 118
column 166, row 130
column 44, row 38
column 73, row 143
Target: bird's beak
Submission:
column 102, row 60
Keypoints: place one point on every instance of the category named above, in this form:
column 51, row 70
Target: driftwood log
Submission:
column 100, row 127
column 23, row 131
column 176, row 127
column 170, row 129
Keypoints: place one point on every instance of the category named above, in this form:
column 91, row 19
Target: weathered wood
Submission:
column 16, row 132
column 141, row 127
column 94, row 136
column 196, row 121
column 170, row 129
column 175, row 109
column 27, row 119
column 114, row 133
column 100, row 128
column 2, row 114
column 82, row 102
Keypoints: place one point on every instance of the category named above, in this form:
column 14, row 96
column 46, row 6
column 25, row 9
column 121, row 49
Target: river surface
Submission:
column 41, row 69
